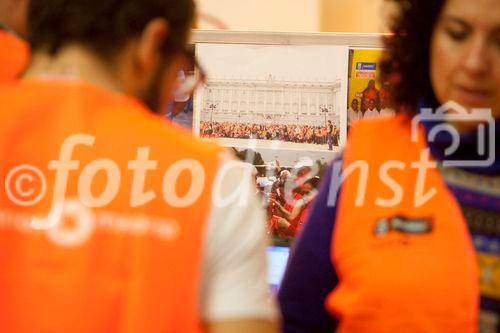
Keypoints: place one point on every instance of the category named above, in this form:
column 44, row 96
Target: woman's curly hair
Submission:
column 406, row 63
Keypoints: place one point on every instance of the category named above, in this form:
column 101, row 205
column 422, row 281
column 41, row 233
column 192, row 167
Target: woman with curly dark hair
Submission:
column 389, row 245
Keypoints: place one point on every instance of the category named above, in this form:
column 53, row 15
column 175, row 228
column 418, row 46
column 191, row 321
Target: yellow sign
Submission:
column 364, row 79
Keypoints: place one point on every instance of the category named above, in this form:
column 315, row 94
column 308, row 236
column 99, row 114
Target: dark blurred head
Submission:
column 153, row 34
column 355, row 104
column 310, row 185
column 371, row 104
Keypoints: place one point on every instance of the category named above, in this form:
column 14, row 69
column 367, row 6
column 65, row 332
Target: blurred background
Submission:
column 358, row 16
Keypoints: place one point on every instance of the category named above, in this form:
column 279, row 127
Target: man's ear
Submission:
column 149, row 44
column 14, row 14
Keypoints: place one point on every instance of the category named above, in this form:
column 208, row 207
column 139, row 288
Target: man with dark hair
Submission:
column 101, row 249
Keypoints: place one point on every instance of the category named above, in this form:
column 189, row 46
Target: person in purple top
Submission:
column 442, row 50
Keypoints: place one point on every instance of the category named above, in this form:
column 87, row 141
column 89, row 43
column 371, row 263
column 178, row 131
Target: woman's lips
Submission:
column 472, row 96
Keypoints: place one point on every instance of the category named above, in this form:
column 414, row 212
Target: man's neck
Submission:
column 77, row 62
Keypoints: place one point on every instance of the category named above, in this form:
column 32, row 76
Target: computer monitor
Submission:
column 277, row 260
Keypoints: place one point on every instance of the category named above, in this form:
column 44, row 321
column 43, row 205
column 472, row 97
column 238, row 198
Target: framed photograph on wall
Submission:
column 283, row 97
column 279, row 102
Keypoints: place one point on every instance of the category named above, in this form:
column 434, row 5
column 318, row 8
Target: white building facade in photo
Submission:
column 270, row 102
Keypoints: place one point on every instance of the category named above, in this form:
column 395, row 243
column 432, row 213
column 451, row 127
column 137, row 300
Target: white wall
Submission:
column 259, row 15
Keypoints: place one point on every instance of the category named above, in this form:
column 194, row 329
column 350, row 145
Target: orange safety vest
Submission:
column 109, row 269
column 14, row 55
column 392, row 280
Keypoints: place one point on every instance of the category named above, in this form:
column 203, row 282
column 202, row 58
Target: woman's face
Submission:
column 465, row 54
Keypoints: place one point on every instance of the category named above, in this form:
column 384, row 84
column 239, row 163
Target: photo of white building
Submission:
column 299, row 106
column 271, row 101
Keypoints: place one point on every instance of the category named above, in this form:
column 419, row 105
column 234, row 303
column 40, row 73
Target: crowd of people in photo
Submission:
column 320, row 135
column 286, row 192
column 288, row 202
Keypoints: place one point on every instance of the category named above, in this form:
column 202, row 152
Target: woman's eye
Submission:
column 457, row 35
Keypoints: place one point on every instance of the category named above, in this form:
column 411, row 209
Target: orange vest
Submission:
column 14, row 54
column 405, row 268
column 100, row 270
